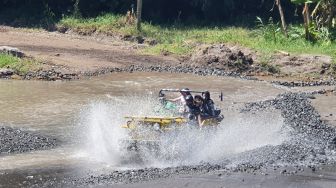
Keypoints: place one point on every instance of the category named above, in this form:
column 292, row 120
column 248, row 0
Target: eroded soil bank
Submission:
column 72, row 56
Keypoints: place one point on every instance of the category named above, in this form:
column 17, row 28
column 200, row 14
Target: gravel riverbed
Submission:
column 52, row 75
column 14, row 140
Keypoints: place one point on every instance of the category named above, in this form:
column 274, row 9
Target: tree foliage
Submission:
column 162, row 11
column 195, row 12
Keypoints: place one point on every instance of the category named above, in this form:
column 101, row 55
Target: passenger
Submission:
column 198, row 104
column 192, row 109
column 208, row 105
column 198, row 101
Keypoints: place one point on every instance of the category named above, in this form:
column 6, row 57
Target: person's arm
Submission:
column 200, row 122
column 174, row 100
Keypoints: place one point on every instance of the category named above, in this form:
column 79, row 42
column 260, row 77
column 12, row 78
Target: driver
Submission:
column 182, row 99
column 208, row 105
column 194, row 106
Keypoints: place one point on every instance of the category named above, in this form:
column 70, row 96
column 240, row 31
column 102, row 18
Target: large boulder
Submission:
column 11, row 50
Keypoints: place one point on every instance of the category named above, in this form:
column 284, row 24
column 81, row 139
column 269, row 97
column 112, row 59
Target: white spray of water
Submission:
column 103, row 133
column 102, row 122
column 245, row 133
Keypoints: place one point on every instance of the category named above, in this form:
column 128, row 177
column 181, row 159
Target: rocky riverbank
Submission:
column 14, row 140
column 72, row 56
column 54, row 74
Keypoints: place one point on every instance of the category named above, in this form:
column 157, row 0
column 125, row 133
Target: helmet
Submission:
column 185, row 92
column 189, row 98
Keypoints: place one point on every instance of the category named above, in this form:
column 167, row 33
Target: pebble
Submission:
column 14, row 140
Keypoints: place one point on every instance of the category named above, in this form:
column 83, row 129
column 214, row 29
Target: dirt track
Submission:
column 70, row 55
column 79, row 53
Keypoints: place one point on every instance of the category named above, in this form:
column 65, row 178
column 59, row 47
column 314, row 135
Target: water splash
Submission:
column 101, row 121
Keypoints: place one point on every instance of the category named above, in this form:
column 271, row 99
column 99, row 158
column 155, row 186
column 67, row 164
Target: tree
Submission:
column 77, row 13
column 139, row 12
column 324, row 13
column 305, row 14
column 283, row 21
column 306, row 19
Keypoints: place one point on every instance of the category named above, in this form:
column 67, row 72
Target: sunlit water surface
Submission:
column 86, row 116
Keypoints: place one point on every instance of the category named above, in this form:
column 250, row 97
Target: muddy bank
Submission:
column 323, row 176
column 218, row 60
column 56, row 73
column 14, row 140
column 197, row 70
column 230, row 62
column 224, row 58
column 330, row 82
column 53, row 74
column 44, row 74
column 72, row 56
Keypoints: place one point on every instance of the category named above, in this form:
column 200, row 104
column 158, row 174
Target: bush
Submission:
column 20, row 66
column 268, row 30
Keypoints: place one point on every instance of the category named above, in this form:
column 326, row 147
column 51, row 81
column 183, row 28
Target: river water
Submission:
column 52, row 107
column 84, row 114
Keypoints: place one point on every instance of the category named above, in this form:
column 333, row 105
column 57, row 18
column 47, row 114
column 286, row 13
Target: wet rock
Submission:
column 11, row 50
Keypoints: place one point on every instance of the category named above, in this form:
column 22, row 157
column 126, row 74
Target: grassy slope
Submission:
column 183, row 40
column 21, row 66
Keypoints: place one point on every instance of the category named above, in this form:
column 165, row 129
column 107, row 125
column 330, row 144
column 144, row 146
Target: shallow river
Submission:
column 52, row 107
column 70, row 111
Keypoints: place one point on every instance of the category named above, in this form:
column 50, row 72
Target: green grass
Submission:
column 182, row 40
column 21, row 66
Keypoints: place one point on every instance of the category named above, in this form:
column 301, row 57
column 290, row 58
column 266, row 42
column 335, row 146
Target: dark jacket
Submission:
column 209, row 107
column 193, row 109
